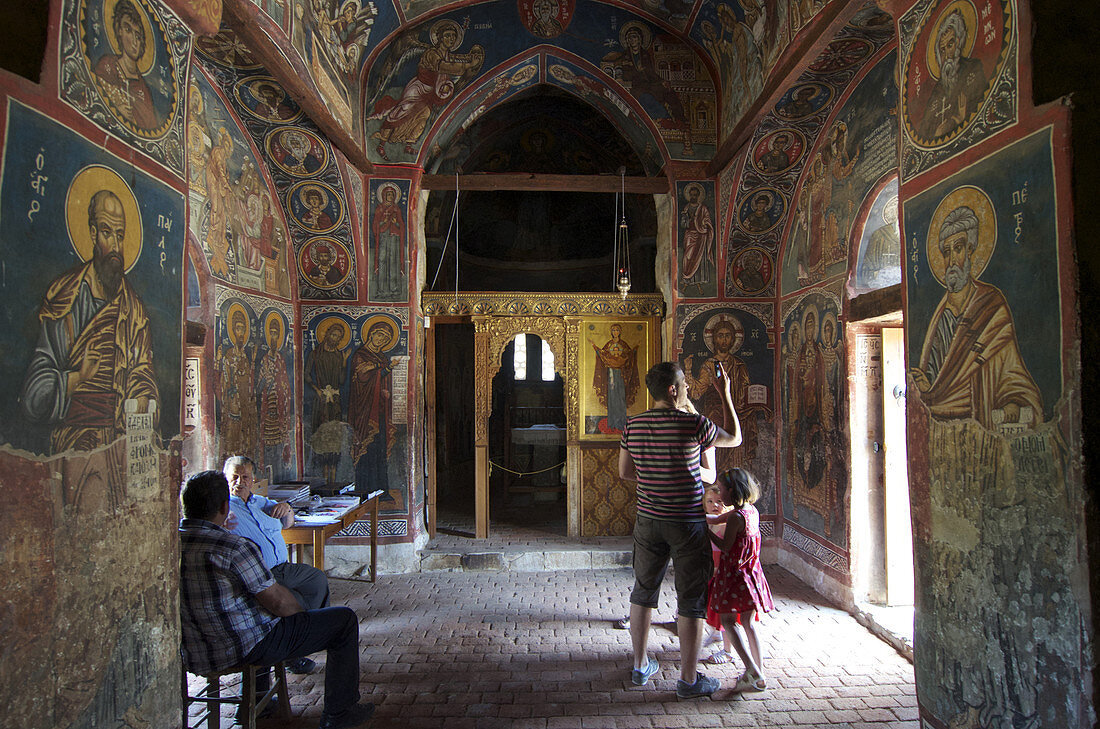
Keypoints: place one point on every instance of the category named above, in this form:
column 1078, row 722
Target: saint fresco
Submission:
column 97, row 352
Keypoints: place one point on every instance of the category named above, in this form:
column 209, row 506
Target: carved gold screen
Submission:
column 562, row 321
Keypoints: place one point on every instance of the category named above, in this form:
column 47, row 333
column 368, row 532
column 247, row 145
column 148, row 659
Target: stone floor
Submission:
column 484, row 649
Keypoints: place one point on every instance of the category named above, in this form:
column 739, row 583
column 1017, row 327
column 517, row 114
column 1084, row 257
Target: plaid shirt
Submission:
column 220, row 573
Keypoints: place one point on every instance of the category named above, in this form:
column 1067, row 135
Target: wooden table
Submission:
column 301, row 535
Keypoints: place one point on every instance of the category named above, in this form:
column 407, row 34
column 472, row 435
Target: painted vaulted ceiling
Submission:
column 402, row 78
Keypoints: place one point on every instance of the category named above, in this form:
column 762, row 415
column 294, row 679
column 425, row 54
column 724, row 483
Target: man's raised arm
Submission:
column 724, row 439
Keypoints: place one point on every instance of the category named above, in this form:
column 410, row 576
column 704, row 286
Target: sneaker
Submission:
column 301, row 666
column 703, row 686
column 349, row 718
column 640, row 678
column 622, row 624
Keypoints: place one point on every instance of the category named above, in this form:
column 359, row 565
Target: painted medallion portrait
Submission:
column 952, row 67
column 298, row 152
column 324, row 262
column 778, row 151
column 751, row 270
column 264, row 98
column 803, row 100
column 315, row 206
column 132, row 67
column 761, row 210
column 546, row 18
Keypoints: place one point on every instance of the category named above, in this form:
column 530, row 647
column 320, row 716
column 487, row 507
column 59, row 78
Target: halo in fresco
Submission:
column 315, row 206
column 334, row 321
column 274, row 316
column 751, row 270
column 975, row 199
column 724, row 318
column 136, row 76
column 778, row 151
column 397, row 194
column 325, row 262
column 150, row 54
column 84, row 185
column 235, row 309
column 263, row 98
column 957, row 57
column 762, row 210
column 395, row 335
column 803, row 101
column 296, row 151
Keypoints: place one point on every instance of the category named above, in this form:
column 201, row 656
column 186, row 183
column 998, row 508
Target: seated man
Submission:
column 262, row 520
column 233, row 612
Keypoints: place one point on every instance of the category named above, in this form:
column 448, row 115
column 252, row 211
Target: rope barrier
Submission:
column 493, row 464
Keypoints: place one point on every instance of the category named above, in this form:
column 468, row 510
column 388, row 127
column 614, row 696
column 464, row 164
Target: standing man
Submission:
column 233, row 612
column 660, row 450
column 262, row 520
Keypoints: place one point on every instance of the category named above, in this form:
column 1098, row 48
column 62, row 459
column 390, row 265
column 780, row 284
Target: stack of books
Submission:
column 292, row 492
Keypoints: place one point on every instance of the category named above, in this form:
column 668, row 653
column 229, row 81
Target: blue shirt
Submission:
column 220, row 575
column 254, row 523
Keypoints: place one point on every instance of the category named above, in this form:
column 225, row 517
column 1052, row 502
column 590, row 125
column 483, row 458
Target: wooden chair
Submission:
column 210, row 694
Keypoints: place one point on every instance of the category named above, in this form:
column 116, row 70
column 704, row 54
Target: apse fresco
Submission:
column 984, row 393
column 253, row 379
column 94, row 349
column 455, row 48
column 858, row 149
column 355, row 410
column 960, row 75
column 738, row 338
column 124, row 67
column 878, row 260
column 697, row 248
column 233, row 216
column 388, row 257
column 306, row 186
column 813, row 378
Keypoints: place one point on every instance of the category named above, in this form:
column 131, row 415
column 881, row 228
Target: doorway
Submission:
column 453, row 383
column 526, row 435
column 882, row 537
column 527, row 476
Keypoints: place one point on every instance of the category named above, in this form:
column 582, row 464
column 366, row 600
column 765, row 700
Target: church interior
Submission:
column 431, row 248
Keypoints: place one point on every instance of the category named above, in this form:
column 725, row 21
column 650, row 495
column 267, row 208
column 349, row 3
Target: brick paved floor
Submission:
column 480, row 650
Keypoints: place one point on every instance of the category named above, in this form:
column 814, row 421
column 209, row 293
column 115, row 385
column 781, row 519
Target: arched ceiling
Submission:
column 398, row 76
column 541, row 130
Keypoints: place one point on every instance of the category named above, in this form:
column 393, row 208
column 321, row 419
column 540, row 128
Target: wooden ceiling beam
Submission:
column 244, row 19
column 547, row 183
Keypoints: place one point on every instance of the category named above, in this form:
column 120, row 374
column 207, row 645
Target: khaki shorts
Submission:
column 688, row 545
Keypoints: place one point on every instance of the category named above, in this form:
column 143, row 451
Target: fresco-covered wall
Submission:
column 1002, row 635
column 92, row 229
column 356, row 415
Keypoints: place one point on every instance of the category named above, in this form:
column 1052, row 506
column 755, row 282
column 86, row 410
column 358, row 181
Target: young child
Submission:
column 738, row 589
column 714, row 506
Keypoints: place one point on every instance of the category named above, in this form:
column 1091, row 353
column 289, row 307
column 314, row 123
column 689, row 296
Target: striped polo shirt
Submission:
column 665, row 444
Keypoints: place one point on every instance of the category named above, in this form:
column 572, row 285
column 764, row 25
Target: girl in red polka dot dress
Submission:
column 738, row 589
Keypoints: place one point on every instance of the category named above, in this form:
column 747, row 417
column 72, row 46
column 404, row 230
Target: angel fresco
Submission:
column 440, row 73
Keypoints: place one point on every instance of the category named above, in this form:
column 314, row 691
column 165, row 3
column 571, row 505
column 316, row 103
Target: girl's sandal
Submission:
column 718, row 658
column 749, row 682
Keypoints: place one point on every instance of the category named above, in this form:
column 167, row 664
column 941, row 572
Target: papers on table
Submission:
column 325, row 510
